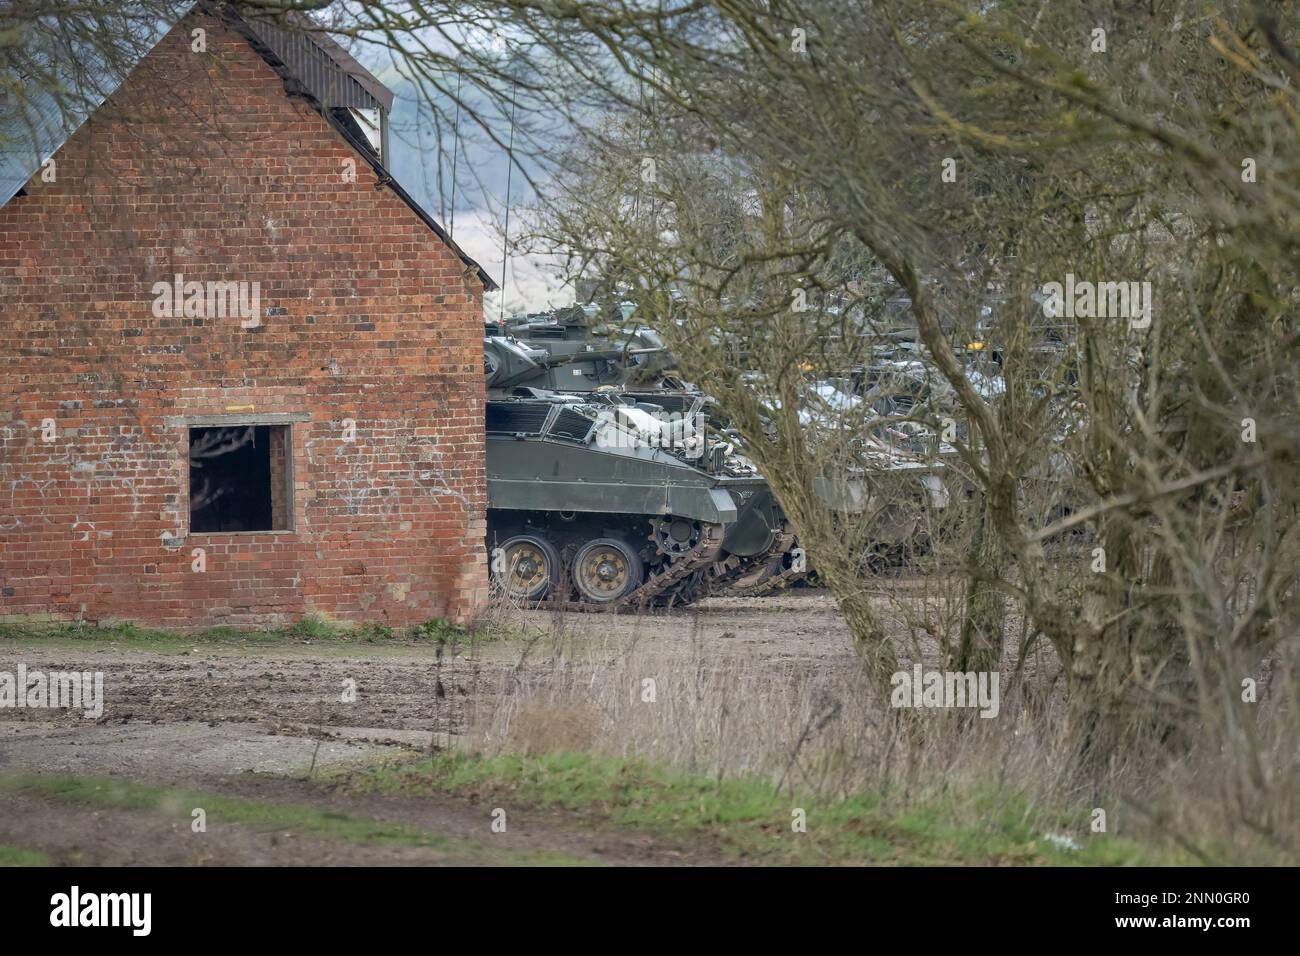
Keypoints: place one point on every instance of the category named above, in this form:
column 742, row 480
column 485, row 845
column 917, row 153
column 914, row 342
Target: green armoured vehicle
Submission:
column 585, row 354
column 600, row 496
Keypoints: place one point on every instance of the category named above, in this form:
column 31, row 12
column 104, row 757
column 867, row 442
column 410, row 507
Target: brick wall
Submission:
column 202, row 165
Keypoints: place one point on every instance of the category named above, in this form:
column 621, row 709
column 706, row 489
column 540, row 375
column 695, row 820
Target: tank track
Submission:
column 739, row 576
column 659, row 584
column 736, row 575
column 769, row 584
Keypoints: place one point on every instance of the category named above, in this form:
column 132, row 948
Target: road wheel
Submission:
column 526, row 567
column 606, row 569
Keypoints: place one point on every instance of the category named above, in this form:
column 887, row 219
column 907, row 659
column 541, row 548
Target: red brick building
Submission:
column 241, row 371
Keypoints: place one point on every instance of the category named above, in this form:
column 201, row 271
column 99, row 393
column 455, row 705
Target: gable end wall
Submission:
column 201, row 165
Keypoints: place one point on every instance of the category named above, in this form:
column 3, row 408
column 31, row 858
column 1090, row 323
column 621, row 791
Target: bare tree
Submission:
column 1131, row 473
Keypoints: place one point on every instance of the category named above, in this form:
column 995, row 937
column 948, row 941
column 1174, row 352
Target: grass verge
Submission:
column 307, row 631
column 749, row 820
column 17, row 856
column 113, row 793
column 129, row 795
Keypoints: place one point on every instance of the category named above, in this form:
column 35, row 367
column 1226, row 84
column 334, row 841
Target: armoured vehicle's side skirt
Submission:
column 713, row 505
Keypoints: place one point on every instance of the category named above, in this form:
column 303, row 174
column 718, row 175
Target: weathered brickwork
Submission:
column 201, row 165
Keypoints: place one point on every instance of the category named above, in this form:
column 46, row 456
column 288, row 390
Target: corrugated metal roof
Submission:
column 324, row 68
column 71, row 79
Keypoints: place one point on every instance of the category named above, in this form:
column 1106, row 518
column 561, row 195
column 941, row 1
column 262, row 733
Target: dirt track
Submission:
column 250, row 721
column 800, row 624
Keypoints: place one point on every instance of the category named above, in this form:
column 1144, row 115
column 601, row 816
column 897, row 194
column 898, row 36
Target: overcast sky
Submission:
column 480, row 200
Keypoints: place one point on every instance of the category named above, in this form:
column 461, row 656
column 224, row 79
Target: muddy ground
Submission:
column 256, row 721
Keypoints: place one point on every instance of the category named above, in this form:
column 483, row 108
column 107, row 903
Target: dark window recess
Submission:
column 239, row 478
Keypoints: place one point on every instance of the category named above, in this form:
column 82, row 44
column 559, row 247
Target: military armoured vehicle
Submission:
column 600, row 497
column 585, row 352
column 599, row 364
